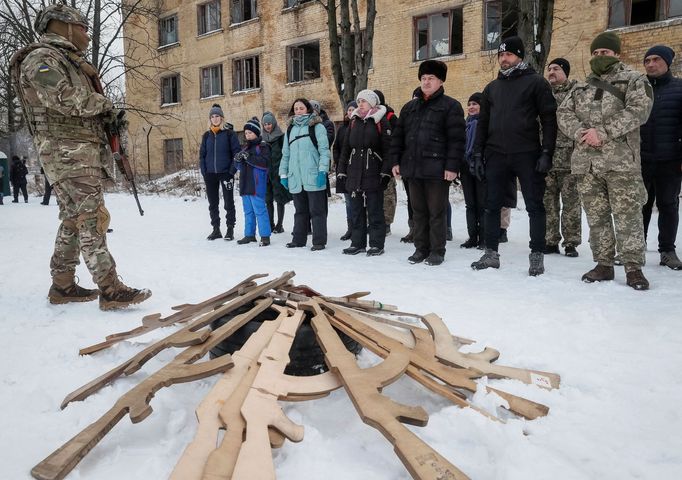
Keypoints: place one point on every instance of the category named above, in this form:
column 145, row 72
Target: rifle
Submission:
column 120, row 157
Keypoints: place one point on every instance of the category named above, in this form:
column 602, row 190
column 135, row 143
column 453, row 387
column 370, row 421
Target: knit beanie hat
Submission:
column 352, row 103
column 216, row 110
column 268, row 117
column 382, row 99
column 369, row 96
column 513, row 45
column 475, row 97
column 563, row 63
column 665, row 52
column 253, row 125
column 433, row 67
column 606, row 40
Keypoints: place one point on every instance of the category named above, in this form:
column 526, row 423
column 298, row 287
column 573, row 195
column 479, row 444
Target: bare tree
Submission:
column 535, row 21
column 350, row 45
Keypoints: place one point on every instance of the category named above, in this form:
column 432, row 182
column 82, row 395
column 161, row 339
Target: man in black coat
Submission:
column 508, row 143
column 18, row 174
column 662, row 152
column 427, row 150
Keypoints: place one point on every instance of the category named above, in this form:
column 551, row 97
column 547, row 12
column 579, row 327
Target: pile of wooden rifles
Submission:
column 244, row 400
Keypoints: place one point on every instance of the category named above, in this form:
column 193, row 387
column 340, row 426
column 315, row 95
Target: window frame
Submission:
column 203, row 18
column 240, row 68
column 295, row 3
column 255, row 15
column 664, row 14
column 178, row 160
column 512, row 30
column 208, row 68
column 165, row 78
column 300, row 47
column 415, row 37
column 161, row 30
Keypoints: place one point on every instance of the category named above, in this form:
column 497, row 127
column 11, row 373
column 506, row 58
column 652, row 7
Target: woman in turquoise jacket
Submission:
column 303, row 171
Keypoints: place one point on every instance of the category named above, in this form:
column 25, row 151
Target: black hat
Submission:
column 663, row 51
column 253, row 125
column 513, row 45
column 476, row 97
column 563, row 63
column 382, row 99
column 433, row 67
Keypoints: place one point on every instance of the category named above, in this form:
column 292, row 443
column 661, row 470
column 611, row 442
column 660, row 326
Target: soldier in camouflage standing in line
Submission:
column 603, row 116
column 561, row 183
column 66, row 116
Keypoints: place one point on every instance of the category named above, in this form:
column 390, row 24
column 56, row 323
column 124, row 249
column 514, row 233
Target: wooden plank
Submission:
column 379, row 411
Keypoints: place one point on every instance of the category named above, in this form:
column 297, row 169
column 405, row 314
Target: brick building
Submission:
column 250, row 56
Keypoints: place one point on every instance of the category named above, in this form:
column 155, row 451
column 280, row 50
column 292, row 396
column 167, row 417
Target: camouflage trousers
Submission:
column 613, row 205
column 390, row 201
column 83, row 228
column 563, row 218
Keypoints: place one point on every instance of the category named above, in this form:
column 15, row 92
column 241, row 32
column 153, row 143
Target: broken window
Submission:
column 303, row 62
column 172, row 155
column 168, row 30
column 636, row 12
column 170, row 89
column 243, row 10
column 211, row 81
column 208, row 17
column 438, row 34
column 245, row 74
column 501, row 17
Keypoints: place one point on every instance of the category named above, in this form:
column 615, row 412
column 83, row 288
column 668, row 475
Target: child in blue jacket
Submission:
column 252, row 163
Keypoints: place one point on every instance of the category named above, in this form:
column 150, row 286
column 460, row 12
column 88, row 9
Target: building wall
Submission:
column 394, row 70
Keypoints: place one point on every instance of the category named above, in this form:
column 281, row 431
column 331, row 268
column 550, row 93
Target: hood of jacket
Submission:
column 376, row 114
column 309, row 119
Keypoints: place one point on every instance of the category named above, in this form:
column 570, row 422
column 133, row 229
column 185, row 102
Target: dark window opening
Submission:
column 623, row 13
column 243, row 10
column 501, row 18
column 303, row 62
column 438, row 34
column 170, row 89
column 168, row 30
column 208, row 17
column 211, row 81
column 172, row 155
column 246, row 74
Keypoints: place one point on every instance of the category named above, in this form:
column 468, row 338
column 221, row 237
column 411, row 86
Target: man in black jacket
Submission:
column 662, row 152
column 427, row 149
column 513, row 108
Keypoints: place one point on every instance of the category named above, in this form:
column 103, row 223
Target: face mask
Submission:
column 601, row 64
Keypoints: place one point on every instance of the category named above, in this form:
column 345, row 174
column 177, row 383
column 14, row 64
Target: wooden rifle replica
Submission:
column 244, row 401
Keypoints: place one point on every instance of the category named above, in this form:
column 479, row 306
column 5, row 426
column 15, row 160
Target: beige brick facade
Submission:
column 276, row 28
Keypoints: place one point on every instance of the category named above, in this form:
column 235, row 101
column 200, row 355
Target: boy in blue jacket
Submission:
column 252, row 163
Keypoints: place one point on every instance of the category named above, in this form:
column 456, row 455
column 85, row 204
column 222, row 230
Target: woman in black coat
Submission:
column 366, row 171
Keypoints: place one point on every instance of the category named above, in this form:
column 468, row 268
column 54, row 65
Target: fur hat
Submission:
column 663, row 51
column 253, row 125
column 369, row 96
column 563, row 63
column 475, row 97
column 513, row 45
column 216, row 110
column 433, row 67
column 606, row 40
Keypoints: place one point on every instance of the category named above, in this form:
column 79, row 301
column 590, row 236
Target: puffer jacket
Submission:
column 253, row 170
column 662, row 133
column 301, row 161
column 363, row 156
column 429, row 137
column 217, row 150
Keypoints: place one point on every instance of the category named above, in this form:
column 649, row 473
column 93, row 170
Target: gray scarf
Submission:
column 510, row 70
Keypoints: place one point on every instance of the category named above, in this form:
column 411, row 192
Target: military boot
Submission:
column 671, row 260
column 215, row 234
column 536, row 262
column 64, row 289
column 115, row 294
column 490, row 259
column 599, row 273
column 229, row 233
column 636, row 279
column 409, row 238
column 349, row 232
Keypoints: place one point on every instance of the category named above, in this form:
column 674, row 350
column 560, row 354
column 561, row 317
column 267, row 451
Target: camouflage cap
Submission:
column 60, row 12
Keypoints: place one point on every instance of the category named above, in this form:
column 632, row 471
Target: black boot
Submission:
column 215, row 234
column 248, row 239
column 346, row 236
column 503, row 235
column 409, row 238
column 229, row 234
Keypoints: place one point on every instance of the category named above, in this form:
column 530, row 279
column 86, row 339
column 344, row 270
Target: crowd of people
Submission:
column 570, row 145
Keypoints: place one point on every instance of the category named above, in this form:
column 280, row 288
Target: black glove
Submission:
column 385, row 180
column 477, row 167
column 341, row 183
column 241, row 156
column 544, row 163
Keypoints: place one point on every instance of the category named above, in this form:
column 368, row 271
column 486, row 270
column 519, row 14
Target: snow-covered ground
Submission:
column 616, row 415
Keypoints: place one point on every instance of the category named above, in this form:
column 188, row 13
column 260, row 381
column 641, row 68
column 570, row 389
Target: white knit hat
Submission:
column 369, row 96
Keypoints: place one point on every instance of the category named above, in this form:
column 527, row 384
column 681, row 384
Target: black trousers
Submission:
column 474, row 199
column 310, row 207
column 409, row 204
column 48, row 192
column 429, row 200
column 20, row 186
column 214, row 183
column 662, row 182
column 500, row 168
column 367, row 208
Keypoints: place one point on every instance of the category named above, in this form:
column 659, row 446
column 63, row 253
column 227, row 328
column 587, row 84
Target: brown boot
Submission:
column 64, row 289
column 115, row 294
column 637, row 280
column 599, row 273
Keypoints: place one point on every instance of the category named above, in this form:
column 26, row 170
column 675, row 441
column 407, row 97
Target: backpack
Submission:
column 379, row 127
column 311, row 134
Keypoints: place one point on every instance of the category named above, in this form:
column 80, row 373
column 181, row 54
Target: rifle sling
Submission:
column 606, row 86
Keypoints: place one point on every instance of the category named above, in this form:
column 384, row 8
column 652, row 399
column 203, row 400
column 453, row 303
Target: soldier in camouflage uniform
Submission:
column 603, row 116
column 67, row 117
column 560, row 182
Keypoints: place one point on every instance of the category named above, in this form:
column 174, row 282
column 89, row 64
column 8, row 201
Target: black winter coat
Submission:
column 662, row 134
column 363, row 155
column 429, row 137
column 510, row 109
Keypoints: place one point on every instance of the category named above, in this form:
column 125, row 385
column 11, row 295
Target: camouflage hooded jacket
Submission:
column 617, row 122
column 564, row 145
column 62, row 108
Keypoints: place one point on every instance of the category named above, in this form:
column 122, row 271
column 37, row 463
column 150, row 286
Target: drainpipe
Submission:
column 149, row 168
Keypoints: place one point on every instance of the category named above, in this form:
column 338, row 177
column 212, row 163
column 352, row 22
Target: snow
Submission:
column 616, row 415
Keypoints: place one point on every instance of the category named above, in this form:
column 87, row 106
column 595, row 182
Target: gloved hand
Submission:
column 477, row 167
column 285, row 182
column 544, row 163
column 241, row 156
column 341, row 183
column 385, row 180
column 321, row 179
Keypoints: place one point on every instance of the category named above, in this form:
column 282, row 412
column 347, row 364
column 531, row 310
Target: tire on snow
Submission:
column 305, row 357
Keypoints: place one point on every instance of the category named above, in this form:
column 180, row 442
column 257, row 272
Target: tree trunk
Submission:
column 534, row 26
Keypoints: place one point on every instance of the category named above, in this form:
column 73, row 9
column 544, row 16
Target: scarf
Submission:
column 602, row 64
column 510, row 70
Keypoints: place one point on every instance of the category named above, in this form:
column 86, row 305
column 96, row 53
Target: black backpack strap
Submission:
column 311, row 134
column 606, row 86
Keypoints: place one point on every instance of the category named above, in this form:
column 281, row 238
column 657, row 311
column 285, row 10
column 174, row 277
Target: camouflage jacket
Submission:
column 62, row 108
column 564, row 145
column 617, row 122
